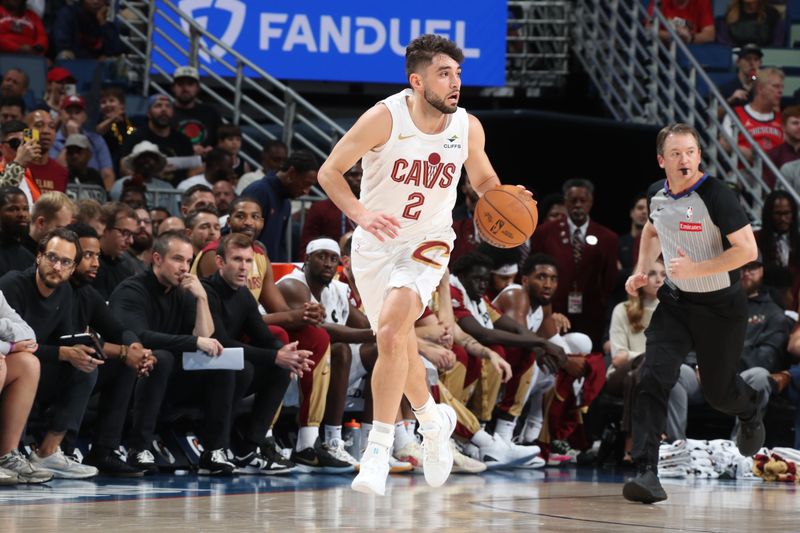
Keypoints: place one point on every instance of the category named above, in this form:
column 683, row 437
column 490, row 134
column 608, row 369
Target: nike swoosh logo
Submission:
column 401, row 137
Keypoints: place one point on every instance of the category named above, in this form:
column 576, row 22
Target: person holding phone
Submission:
column 17, row 153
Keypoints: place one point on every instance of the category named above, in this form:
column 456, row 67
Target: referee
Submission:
column 698, row 226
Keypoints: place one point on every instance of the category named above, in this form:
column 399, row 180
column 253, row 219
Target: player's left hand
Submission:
column 562, row 322
column 525, row 189
column 681, row 266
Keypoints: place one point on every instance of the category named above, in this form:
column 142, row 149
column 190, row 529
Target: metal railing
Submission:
column 277, row 105
column 643, row 79
column 538, row 43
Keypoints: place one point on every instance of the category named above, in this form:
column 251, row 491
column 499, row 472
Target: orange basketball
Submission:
column 506, row 216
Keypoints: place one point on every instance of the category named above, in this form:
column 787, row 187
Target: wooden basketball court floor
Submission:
column 566, row 499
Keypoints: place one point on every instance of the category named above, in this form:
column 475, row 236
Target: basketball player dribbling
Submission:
column 413, row 145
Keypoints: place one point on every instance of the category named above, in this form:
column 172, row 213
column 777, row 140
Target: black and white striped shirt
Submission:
column 697, row 220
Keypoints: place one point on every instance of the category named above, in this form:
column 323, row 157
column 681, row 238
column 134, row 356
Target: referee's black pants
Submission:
column 714, row 325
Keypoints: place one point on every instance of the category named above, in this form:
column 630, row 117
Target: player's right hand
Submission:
column 313, row 313
column 634, row 282
column 379, row 225
column 501, row 366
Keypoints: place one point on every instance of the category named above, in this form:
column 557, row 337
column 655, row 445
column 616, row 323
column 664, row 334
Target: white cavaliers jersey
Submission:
column 414, row 176
column 334, row 297
column 535, row 318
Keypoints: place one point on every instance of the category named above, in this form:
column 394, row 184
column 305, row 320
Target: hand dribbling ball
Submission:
column 506, row 216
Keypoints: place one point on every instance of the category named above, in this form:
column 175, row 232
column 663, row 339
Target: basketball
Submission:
column 506, row 216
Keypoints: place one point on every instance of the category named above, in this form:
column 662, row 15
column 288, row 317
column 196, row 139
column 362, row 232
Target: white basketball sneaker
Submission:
column 437, row 457
column 372, row 473
column 503, row 454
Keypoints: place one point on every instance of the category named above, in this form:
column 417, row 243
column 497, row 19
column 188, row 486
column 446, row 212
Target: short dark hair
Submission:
column 272, row 143
column 244, row 199
column 113, row 92
column 793, row 111
column 161, row 243
column 13, row 101
column 88, row 209
column 226, row 131
column 420, row 52
column 13, row 126
column 534, row 260
column 470, row 260
column 578, row 182
column 191, row 218
column 60, row 233
column 638, row 196
column 302, row 160
column 188, row 193
column 83, row 230
column 679, row 128
column 7, row 192
column 233, row 240
column 112, row 211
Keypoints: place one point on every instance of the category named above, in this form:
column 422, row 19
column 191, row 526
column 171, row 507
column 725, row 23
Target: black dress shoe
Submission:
column 645, row 487
column 110, row 465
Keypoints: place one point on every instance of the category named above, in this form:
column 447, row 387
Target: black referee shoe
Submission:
column 645, row 487
column 751, row 434
column 109, row 464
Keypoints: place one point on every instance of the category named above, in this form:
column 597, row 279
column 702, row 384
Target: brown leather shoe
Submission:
column 781, row 379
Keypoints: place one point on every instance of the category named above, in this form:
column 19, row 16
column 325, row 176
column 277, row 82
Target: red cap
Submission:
column 60, row 74
column 71, row 101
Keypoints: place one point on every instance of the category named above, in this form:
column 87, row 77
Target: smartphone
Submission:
column 70, row 89
column 87, row 340
column 30, row 134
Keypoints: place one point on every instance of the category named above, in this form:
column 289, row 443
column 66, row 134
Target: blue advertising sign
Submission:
column 354, row 40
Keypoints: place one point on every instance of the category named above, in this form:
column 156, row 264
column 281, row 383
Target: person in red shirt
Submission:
column 761, row 118
column 21, row 30
column 47, row 173
column 693, row 20
column 324, row 219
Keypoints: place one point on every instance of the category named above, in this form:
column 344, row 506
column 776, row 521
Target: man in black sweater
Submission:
column 115, row 265
column 125, row 358
column 235, row 314
column 167, row 309
column 15, row 220
column 43, row 298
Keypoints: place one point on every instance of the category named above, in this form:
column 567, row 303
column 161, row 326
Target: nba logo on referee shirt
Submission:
column 689, row 213
column 689, row 225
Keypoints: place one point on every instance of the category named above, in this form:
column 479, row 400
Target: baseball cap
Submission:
column 750, row 48
column 71, row 101
column 186, row 72
column 60, row 74
column 155, row 98
column 77, row 139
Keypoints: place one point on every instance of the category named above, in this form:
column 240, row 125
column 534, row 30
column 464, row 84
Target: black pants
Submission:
column 214, row 390
column 115, row 385
column 269, row 386
column 64, row 392
column 714, row 325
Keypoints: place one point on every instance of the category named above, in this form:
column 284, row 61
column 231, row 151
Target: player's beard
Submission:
column 438, row 103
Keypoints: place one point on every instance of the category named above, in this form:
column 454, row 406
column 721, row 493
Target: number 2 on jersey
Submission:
column 416, row 199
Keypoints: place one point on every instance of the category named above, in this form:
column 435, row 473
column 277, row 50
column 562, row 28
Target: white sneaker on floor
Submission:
column 410, row 453
column 437, row 456
column 22, row 470
column 463, row 464
column 335, row 447
column 504, row 454
column 536, row 462
column 372, row 474
column 8, row 477
column 62, row 467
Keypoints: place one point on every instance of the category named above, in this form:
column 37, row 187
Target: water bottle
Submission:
column 352, row 438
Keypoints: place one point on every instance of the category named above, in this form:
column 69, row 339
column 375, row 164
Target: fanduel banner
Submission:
column 342, row 41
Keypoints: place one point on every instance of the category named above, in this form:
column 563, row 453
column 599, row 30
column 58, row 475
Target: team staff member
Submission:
column 167, row 309
column 698, row 226
column 235, row 314
column 126, row 357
